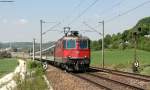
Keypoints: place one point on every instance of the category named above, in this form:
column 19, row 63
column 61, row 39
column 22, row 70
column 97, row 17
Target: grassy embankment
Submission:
column 122, row 59
column 34, row 79
column 7, row 65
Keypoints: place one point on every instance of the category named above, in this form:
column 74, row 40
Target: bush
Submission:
column 35, row 66
column 115, row 45
column 4, row 54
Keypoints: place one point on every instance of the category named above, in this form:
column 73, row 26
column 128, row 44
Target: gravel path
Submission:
column 7, row 82
column 61, row 80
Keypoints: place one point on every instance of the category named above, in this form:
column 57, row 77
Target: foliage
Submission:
column 34, row 80
column 144, row 43
column 31, row 83
column 5, row 54
column 95, row 45
column 126, row 39
column 36, row 66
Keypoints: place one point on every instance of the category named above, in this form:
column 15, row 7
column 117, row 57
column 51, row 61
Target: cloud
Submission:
column 4, row 21
column 21, row 21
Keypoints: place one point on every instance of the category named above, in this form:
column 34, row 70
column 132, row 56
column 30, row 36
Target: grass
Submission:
column 146, row 71
column 36, row 83
column 7, row 65
column 120, row 58
column 33, row 81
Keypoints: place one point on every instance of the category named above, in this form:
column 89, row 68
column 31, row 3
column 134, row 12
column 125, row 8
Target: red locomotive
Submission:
column 72, row 52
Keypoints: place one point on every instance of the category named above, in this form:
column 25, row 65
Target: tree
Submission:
column 124, row 36
column 107, row 40
column 95, row 45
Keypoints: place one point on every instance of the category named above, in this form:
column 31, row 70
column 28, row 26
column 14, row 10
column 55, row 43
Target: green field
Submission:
column 7, row 65
column 120, row 58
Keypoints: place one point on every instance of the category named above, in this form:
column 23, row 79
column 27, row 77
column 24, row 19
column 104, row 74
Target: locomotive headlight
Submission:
column 85, row 56
column 69, row 56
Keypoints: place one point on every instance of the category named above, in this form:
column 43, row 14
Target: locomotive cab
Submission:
column 77, row 52
column 74, row 52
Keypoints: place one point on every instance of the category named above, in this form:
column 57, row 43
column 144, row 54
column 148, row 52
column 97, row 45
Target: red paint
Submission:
column 77, row 53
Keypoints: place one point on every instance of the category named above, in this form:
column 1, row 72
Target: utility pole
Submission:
column 42, row 33
column 103, row 64
column 135, row 46
column 136, row 61
column 41, row 21
column 33, row 55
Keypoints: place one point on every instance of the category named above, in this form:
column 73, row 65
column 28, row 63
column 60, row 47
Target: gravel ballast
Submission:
column 61, row 80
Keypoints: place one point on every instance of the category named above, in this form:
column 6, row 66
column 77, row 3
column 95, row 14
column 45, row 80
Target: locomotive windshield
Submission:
column 69, row 44
column 83, row 44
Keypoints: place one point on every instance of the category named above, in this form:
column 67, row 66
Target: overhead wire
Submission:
column 90, row 27
column 80, row 3
column 128, row 11
column 51, row 28
column 84, row 11
column 124, row 13
column 74, row 9
column 112, row 7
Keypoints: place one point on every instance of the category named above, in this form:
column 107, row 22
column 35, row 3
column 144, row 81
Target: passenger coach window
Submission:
column 71, row 44
column 83, row 44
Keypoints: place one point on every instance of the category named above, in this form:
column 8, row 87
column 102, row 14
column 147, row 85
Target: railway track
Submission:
column 124, row 74
column 92, row 82
column 106, row 83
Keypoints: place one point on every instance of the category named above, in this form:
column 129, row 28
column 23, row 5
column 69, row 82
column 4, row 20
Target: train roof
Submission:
column 76, row 37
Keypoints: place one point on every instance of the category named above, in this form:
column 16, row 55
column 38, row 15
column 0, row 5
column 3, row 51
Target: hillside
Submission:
column 126, row 39
column 144, row 25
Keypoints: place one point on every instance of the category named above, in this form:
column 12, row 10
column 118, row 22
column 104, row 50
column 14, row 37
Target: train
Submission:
column 72, row 52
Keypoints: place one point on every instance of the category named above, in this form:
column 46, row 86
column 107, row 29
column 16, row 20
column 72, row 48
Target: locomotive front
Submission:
column 76, row 53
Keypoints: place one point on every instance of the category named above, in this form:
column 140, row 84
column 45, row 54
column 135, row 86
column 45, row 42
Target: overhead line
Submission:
column 128, row 11
column 80, row 3
column 73, row 10
column 93, row 29
column 84, row 11
column 113, row 6
column 51, row 28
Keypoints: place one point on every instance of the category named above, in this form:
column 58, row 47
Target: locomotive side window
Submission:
column 64, row 44
column 83, row 44
column 71, row 44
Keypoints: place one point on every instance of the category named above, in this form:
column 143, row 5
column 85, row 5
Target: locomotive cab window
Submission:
column 64, row 44
column 83, row 44
column 71, row 44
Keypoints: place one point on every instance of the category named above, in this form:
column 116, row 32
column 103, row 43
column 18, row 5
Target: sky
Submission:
column 20, row 20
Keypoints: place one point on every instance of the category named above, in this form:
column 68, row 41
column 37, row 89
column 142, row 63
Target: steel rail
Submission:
column 90, row 81
column 117, row 82
column 125, row 74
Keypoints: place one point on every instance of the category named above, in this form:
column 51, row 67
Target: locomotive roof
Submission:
column 76, row 37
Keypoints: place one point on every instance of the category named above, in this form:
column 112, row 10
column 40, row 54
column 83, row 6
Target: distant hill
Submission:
column 145, row 20
column 24, row 45
column 143, row 25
